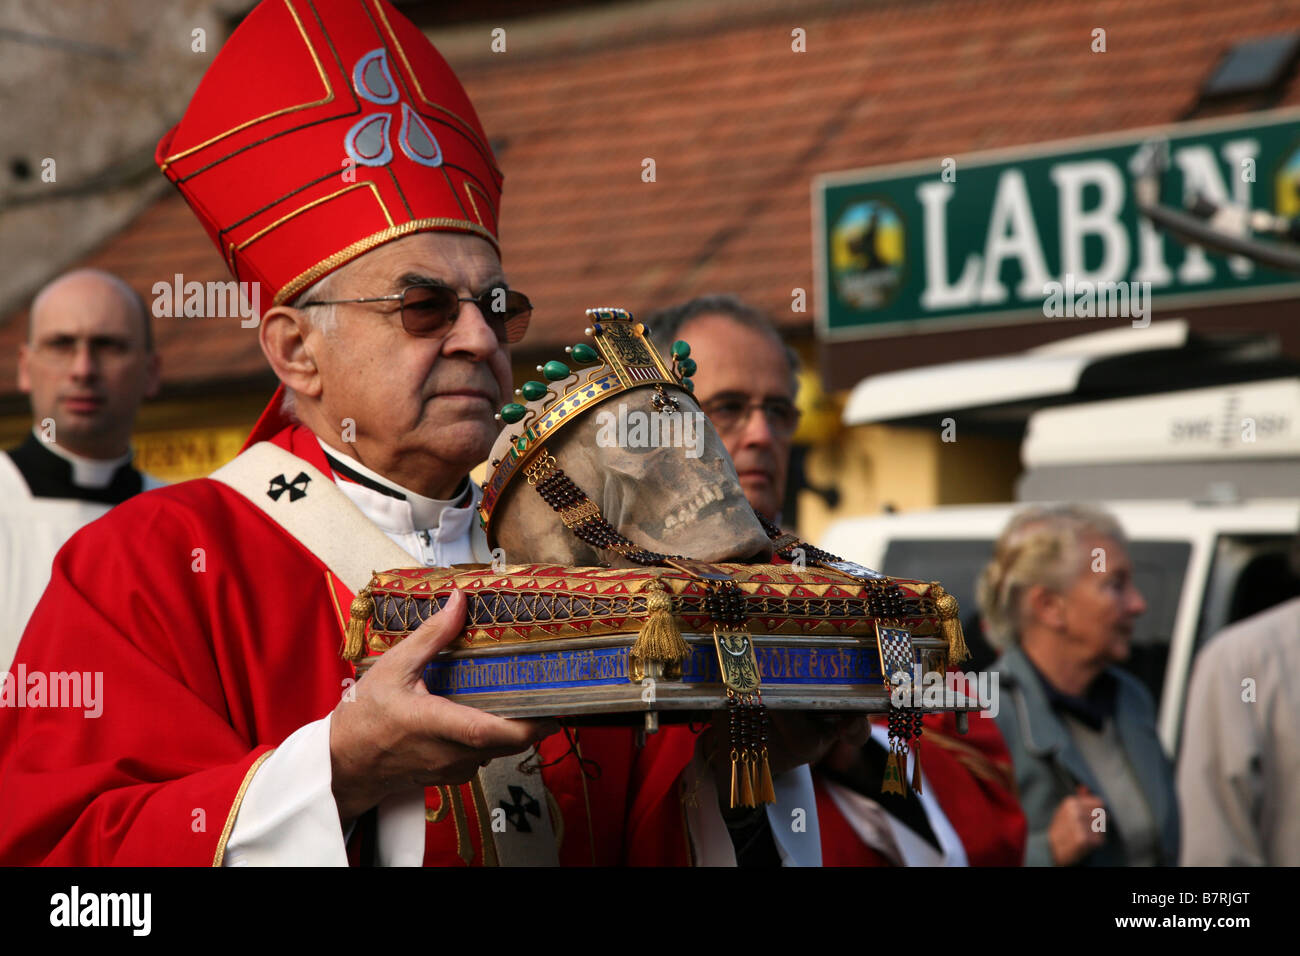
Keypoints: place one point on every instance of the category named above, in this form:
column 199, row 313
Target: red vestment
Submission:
column 218, row 635
column 971, row 778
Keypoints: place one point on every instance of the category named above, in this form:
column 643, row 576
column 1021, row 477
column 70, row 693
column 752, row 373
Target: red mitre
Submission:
column 322, row 130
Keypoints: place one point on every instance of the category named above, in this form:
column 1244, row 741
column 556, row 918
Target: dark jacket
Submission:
column 1049, row 766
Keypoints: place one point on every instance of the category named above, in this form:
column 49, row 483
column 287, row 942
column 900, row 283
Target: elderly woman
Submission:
column 1058, row 599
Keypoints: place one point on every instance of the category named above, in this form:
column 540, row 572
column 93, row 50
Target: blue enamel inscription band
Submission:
column 597, row 667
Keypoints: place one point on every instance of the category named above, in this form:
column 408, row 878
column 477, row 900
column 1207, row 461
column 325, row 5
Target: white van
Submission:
column 1205, row 482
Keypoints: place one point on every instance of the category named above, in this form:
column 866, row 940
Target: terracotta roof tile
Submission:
column 738, row 124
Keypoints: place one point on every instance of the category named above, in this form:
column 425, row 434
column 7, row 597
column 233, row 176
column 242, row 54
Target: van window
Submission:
column 1159, row 569
column 1249, row 574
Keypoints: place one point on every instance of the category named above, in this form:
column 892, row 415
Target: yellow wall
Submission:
column 181, row 438
column 873, row 466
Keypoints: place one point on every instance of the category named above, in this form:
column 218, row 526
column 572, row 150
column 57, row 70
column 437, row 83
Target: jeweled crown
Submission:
column 623, row 358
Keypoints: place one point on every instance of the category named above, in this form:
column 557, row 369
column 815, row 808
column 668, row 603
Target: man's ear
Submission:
column 24, row 375
column 283, row 336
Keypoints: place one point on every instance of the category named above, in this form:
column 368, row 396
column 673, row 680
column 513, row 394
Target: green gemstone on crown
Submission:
column 555, row 371
column 582, row 352
column 522, row 445
column 686, row 366
column 512, row 413
column 680, row 349
column 532, row 391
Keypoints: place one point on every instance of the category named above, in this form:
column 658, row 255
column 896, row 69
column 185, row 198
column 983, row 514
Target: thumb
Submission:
column 420, row 646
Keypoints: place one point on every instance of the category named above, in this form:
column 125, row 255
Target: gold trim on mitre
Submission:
column 468, row 129
column 330, row 263
column 240, row 247
column 329, row 98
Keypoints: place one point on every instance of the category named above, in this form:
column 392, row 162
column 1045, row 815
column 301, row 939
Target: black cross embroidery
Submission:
column 279, row 486
column 522, row 805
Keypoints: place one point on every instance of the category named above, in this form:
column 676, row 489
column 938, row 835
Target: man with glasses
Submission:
column 334, row 159
column 746, row 385
column 746, row 382
column 87, row 364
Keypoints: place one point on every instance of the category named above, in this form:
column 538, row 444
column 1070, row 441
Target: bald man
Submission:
column 88, row 363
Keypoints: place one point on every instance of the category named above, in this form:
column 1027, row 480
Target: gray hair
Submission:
column 323, row 318
column 1040, row 546
column 663, row 325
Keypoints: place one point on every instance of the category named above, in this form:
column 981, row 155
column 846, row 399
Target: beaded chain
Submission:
column 751, row 782
column 887, row 601
column 883, row 601
column 747, row 716
column 582, row 516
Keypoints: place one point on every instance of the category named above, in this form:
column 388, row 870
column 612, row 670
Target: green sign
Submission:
column 1041, row 232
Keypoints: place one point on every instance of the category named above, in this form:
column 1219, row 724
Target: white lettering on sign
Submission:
column 1102, row 221
column 1201, row 174
column 938, row 293
column 1012, row 232
column 1012, row 235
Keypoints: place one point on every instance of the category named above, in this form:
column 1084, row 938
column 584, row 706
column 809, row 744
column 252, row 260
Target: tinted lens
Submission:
column 508, row 311
column 426, row 309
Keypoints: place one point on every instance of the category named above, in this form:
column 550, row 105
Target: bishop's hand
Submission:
column 396, row 736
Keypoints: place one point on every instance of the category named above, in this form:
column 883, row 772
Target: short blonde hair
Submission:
column 1040, row 546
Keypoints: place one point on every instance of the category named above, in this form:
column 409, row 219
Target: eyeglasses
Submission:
column 728, row 414
column 429, row 310
column 105, row 349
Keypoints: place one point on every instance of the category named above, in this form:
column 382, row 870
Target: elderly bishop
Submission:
column 334, row 159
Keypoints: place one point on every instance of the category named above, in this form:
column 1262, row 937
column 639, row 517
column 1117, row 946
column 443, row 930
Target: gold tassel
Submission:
column 660, row 638
column 950, row 617
column 766, row 792
column 892, row 781
column 746, row 785
column 916, row 765
column 363, row 605
column 735, row 780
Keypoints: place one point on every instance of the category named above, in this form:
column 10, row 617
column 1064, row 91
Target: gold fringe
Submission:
column 950, row 616
column 735, row 780
column 660, row 639
column 363, row 605
column 766, row 792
